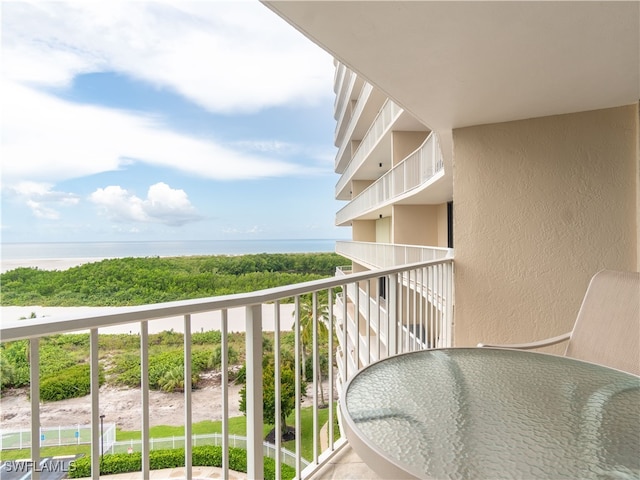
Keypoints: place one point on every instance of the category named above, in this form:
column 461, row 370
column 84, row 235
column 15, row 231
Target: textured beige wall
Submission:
column 363, row 230
column 405, row 143
column 638, row 187
column 415, row 225
column 540, row 206
column 383, row 230
column 358, row 186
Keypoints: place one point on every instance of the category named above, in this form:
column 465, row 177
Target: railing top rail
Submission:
column 392, row 170
column 41, row 327
column 402, row 245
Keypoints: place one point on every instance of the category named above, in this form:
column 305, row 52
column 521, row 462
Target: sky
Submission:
column 140, row 121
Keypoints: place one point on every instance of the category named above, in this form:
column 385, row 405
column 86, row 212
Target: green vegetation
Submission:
column 138, row 281
column 64, row 360
column 71, row 382
column 132, row 281
column 202, row 456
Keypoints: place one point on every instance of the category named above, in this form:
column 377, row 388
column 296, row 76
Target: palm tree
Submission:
column 173, row 379
column 306, row 317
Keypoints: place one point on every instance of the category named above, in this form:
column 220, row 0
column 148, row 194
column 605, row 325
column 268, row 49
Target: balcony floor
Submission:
column 346, row 464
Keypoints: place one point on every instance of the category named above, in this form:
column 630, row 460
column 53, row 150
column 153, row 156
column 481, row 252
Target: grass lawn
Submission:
column 237, row 426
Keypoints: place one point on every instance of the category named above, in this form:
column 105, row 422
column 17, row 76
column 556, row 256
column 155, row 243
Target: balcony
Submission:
column 350, row 87
column 383, row 122
column 382, row 255
column 412, row 292
column 411, row 176
column 363, row 112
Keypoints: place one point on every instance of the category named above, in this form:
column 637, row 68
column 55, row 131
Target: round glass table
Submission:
column 483, row 413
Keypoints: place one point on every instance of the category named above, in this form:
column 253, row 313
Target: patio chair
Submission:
column 607, row 330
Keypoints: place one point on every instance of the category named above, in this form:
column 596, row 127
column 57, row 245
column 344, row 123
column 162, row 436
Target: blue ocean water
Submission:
column 21, row 251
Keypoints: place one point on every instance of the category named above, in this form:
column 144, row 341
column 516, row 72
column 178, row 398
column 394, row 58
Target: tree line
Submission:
column 139, row 281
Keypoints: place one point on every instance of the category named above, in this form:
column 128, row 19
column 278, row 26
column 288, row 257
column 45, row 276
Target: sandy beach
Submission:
column 46, row 263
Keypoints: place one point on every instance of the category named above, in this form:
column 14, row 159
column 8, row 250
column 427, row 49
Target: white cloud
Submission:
column 46, row 139
column 224, row 56
column 163, row 205
column 41, row 199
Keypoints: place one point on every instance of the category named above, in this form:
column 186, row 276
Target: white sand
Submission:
column 45, row 263
column 199, row 321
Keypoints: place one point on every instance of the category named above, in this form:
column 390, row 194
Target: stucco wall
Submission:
column 415, row 225
column 363, row 231
column 540, row 206
column 383, row 230
column 404, row 143
column 358, row 186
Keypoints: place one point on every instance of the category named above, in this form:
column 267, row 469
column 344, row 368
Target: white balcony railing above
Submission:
column 342, row 118
column 384, row 255
column 365, row 93
column 405, row 313
column 383, row 121
column 413, row 172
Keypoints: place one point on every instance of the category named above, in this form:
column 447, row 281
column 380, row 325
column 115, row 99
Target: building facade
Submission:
column 506, row 131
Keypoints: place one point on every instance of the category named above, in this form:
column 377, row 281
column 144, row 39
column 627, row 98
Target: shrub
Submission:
column 71, row 382
column 203, row 456
column 211, row 337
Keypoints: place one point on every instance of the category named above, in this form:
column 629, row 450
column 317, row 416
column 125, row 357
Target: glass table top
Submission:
column 491, row 413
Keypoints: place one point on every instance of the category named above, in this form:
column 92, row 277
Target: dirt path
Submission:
column 120, row 406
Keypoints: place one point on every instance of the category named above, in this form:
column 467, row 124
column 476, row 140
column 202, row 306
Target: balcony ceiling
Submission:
column 456, row 64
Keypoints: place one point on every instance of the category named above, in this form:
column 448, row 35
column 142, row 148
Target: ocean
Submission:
column 20, row 251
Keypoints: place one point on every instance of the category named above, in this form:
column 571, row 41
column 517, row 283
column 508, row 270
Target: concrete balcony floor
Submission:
column 346, row 464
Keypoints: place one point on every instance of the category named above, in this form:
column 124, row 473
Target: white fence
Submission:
column 57, row 436
column 215, row 439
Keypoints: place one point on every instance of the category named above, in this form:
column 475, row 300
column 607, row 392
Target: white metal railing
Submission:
column 413, row 172
column 411, row 311
column 338, row 77
column 383, row 255
column 343, row 98
column 399, row 281
column 363, row 97
column 343, row 270
column 383, row 121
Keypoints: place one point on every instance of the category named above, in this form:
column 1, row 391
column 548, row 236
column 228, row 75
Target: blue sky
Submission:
column 163, row 121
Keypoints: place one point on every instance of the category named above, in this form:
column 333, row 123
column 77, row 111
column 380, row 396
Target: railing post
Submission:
column 224, row 368
column 96, row 452
column 34, row 380
column 144, row 390
column 278, row 397
column 392, row 315
column 298, row 368
column 449, row 304
column 255, row 419
column 188, row 430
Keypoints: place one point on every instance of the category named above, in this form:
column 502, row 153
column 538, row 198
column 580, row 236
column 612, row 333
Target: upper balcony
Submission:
column 383, row 255
column 262, row 314
column 379, row 130
column 407, row 182
column 346, row 98
column 361, row 113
